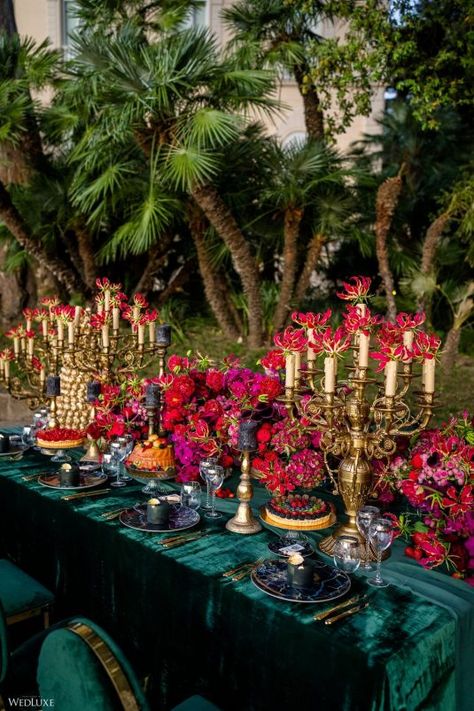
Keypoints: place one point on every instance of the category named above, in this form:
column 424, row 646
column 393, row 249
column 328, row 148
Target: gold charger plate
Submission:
column 87, row 481
column 294, row 526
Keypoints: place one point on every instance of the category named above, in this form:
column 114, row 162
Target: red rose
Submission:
column 417, row 461
column 117, row 429
column 264, row 434
column 215, row 380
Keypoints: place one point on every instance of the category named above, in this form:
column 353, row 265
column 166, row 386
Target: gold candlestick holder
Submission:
column 53, row 409
column 244, row 521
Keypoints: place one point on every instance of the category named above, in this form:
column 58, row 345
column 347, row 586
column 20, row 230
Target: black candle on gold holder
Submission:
column 4, row 443
column 163, row 342
column 152, row 405
column 93, row 391
column 163, row 335
column 152, row 395
column 244, row 521
column 53, row 386
column 247, row 439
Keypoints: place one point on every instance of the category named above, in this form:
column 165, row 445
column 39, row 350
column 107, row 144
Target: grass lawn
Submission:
column 455, row 389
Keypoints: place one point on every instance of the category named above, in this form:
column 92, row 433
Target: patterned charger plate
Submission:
column 181, row 518
column 87, row 481
column 328, row 583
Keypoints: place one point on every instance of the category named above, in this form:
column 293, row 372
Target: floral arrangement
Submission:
column 436, row 476
column 120, row 410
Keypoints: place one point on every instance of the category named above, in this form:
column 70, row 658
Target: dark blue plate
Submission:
column 181, row 517
column 328, row 583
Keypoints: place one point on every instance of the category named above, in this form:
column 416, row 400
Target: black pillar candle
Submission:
column 4, row 443
column 93, row 390
column 53, row 386
column 247, row 439
column 163, row 335
column 152, row 395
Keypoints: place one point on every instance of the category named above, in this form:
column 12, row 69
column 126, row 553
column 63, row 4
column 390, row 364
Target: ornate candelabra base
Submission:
column 92, row 453
column 326, row 545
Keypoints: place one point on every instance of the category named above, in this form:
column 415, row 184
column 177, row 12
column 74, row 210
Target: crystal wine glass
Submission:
column 116, row 460
column 215, row 477
column 204, row 465
column 381, row 536
column 126, row 446
column 347, row 554
column 191, row 494
column 365, row 516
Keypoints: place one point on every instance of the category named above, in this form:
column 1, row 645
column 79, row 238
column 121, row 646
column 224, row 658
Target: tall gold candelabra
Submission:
column 357, row 430
column 80, row 344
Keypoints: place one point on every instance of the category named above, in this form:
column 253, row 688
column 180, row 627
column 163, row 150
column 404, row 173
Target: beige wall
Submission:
column 42, row 18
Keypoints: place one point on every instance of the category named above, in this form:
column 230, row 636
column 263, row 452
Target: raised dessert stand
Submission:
column 151, row 479
column 56, row 450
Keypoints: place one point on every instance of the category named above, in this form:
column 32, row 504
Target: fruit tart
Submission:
column 59, row 438
column 299, row 509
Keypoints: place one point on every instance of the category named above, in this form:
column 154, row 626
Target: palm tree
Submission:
column 181, row 104
column 271, row 33
column 307, row 178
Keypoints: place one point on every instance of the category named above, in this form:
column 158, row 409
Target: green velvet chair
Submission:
column 81, row 667
column 21, row 595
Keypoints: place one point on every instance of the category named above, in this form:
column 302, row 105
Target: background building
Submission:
column 54, row 19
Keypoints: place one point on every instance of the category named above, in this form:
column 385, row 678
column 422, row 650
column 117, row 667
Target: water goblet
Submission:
column 364, row 517
column 126, row 446
column 116, row 461
column 347, row 554
column 28, row 436
column 381, row 536
column 215, row 476
column 204, row 465
column 191, row 494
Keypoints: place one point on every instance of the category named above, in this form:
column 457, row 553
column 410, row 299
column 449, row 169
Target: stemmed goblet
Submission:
column 191, row 494
column 204, row 465
column 116, row 461
column 347, row 554
column 126, row 446
column 215, row 477
column 365, row 516
column 381, row 536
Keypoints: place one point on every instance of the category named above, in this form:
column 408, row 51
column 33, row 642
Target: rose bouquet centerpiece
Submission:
column 203, row 406
column 436, row 477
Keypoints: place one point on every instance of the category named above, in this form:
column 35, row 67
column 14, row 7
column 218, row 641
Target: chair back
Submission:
column 81, row 667
column 4, row 654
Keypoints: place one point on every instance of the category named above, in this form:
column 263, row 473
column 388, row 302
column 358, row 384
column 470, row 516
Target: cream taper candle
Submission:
column 105, row 335
column 115, row 318
column 77, row 316
column 290, row 370
column 70, row 333
column 151, row 331
column 429, row 365
column 311, row 355
column 391, row 378
column 408, row 343
column 141, row 334
column 107, row 301
column 329, row 374
column 364, row 344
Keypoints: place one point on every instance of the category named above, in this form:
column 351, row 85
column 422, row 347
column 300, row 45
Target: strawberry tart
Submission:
column 59, row 438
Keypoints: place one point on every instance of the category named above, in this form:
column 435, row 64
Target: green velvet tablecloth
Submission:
column 190, row 630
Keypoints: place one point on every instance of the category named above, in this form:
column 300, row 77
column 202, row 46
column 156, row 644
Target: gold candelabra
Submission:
column 356, row 427
column 106, row 343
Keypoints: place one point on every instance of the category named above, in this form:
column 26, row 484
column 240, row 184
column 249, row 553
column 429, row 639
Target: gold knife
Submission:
column 322, row 615
column 183, row 542
column 352, row 611
column 83, row 495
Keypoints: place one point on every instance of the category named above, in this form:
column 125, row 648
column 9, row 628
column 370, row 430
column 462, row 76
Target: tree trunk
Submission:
column 312, row 258
column 20, row 231
column 12, row 294
column 291, row 231
column 214, row 287
column 7, row 17
column 156, row 258
column 221, row 218
column 388, row 195
column 179, row 278
column 86, row 254
column 451, row 348
column 313, row 115
column 430, row 245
